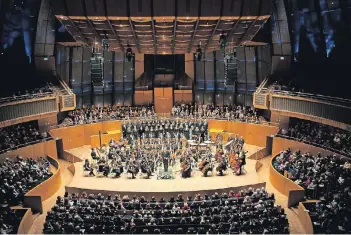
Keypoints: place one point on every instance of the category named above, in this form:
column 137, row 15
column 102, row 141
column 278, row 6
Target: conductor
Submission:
column 165, row 157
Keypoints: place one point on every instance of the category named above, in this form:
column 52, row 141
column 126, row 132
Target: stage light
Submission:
column 198, row 53
column 222, row 41
column 104, row 43
column 129, row 53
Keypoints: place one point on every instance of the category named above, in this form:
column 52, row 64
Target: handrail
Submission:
column 335, row 100
column 25, row 97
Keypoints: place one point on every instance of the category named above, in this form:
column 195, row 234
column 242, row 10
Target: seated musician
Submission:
column 94, row 155
column 87, row 167
column 132, row 168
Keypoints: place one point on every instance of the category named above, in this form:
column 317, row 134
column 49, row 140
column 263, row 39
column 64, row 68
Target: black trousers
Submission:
column 165, row 165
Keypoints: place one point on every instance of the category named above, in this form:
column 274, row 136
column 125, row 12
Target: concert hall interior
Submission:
column 175, row 117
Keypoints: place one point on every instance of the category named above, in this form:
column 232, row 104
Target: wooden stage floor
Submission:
column 161, row 188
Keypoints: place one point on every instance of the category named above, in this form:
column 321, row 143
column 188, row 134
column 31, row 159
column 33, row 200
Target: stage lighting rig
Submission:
column 222, row 41
column 129, row 53
column 104, row 43
column 198, row 53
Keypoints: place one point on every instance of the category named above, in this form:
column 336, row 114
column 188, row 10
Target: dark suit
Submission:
column 165, row 156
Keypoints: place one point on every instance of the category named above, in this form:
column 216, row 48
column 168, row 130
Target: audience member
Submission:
column 318, row 175
column 20, row 135
column 322, row 135
column 249, row 211
column 245, row 114
column 332, row 215
column 18, row 177
column 93, row 114
column 30, row 94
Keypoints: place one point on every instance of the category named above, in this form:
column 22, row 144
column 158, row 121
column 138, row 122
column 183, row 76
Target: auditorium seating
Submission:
column 318, row 175
column 46, row 90
column 21, row 135
column 332, row 215
column 328, row 137
column 9, row 220
column 91, row 114
column 249, row 211
column 240, row 113
column 19, row 176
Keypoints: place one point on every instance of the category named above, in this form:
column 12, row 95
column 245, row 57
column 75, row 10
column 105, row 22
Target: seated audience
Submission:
column 245, row 114
column 22, row 134
column 332, row 215
column 9, row 220
column 18, row 177
column 93, row 114
column 318, row 175
column 48, row 89
column 322, row 135
column 249, row 211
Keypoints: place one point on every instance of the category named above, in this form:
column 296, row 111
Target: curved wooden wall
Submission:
column 254, row 134
column 304, row 217
column 281, row 144
column 33, row 151
column 77, row 136
column 294, row 192
column 49, row 187
column 26, row 222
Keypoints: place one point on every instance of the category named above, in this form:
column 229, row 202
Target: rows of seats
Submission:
column 17, row 177
column 332, row 215
column 91, row 114
column 20, row 135
column 45, row 90
column 249, row 211
column 318, row 175
column 227, row 112
column 328, row 137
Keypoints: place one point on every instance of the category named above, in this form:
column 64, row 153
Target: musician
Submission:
column 132, row 168
column 222, row 166
column 93, row 154
column 186, row 168
column 165, row 157
column 242, row 162
column 205, row 165
column 87, row 167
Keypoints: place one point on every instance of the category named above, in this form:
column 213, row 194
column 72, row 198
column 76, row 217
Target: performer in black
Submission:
column 165, row 157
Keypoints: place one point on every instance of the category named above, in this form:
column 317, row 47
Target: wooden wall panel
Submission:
column 49, row 187
column 33, row 151
column 254, row 134
column 281, row 144
column 91, row 129
column 111, row 126
column 72, row 137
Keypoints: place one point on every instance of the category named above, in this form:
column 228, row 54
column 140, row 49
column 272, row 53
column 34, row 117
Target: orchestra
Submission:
column 146, row 148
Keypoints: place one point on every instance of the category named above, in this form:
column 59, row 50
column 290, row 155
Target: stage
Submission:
column 163, row 188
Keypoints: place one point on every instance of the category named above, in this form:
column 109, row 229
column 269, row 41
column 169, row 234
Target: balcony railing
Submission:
column 311, row 106
column 12, row 111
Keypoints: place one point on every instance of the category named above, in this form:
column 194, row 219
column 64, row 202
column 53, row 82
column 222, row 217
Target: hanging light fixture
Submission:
column 198, row 53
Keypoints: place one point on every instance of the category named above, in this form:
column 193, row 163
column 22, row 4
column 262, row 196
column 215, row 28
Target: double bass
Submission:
column 186, row 169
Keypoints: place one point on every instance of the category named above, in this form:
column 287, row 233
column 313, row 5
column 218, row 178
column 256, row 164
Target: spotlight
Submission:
column 104, row 43
column 198, row 53
column 129, row 53
column 223, row 41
